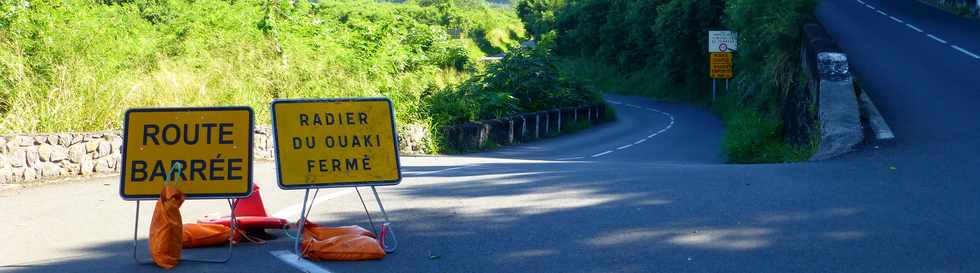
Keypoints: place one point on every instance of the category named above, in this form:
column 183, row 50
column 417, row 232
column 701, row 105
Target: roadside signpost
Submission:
column 721, row 46
column 328, row 143
column 722, row 41
column 720, row 65
column 205, row 152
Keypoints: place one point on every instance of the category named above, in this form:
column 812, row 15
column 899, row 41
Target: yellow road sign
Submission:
column 326, row 143
column 720, row 65
column 207, row 152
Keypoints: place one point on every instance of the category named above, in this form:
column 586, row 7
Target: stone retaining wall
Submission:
column 479, row 135
column 837, row 108
column 34, row 157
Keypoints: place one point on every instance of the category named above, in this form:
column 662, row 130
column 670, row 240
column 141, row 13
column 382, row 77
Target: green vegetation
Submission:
column 77, row 65
column 658, row 48
column 961, row 8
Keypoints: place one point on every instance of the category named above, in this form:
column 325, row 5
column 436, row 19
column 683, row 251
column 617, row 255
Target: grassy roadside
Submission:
column 964, row 10
column 77, row 65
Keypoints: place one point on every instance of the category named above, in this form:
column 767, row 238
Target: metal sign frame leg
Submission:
column 302, row 223
column 231, row 239
column 385, row 232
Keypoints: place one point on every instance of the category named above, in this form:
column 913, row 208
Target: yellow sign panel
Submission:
column 720, row 65
column 335, row 143
column 206, row 152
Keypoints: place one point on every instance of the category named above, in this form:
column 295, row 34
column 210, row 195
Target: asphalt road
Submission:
column 648, row 193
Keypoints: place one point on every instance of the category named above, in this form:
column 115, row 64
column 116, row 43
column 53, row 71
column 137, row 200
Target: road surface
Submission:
column 648, row 193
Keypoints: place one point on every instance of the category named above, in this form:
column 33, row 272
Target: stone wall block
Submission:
column 91, row 146
column 30, row 174
column 116, row 142
column 24, row 141
column 104, row 165
column 87, row 166
column 105, row 148
column 44, row 152
column 71, row 168
column 64, row 139
column 6, row 175
column 48, row 169
column 58, row 153
column 33, row 158
column 76, row 152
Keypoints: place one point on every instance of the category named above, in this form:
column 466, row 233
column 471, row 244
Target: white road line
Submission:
column 936, row 38
column 614, row 102
column 859, row 1
column 914, row 27
column 299, row 263
column 572, row 158
column 869, row 6
column 420, row 173
column 602, row 154
column 295, row 210
column 882, row 13
column 896, row 19
column 653, row 134
column 639, row 141
column 624, row 146
column 966, row 52
column 633, row 105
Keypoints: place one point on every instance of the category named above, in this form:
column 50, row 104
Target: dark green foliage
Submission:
column 659, row 48
column 524, row 81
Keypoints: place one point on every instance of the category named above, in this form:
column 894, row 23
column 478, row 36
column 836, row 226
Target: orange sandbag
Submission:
column 201, row 235
column 322, row 233
column 350, row 243
column 166, row 228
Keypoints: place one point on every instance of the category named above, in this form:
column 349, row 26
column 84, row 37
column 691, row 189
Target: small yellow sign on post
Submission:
column 206, row 152
column 325, row 143
column 720, row 65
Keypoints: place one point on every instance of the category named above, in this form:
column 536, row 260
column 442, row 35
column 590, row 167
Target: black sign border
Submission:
column 251, row 135
column 275, row 139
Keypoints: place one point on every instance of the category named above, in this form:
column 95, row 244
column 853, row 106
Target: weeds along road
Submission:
column 648, row 193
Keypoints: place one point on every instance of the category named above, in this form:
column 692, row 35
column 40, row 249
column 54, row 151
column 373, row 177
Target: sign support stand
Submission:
column 713, row 88
column 231, row 237
column 384, row 233
column 302, row 223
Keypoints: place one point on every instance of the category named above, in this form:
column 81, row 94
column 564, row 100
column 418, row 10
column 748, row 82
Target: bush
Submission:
column 523, row 81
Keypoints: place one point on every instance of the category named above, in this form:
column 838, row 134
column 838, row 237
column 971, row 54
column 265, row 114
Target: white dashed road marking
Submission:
column 914, row 27
column 966, row 52
column 638, row 142
column 602, row 154
column 936, row 38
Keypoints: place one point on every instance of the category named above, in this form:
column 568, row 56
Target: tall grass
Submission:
column 76, row 65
